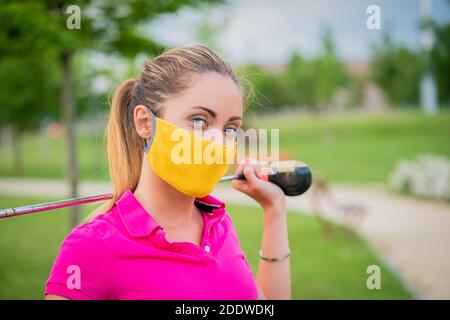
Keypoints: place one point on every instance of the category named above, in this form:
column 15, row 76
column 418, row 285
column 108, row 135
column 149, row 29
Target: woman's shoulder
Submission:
column 84, row 246
column 84, row 255
column 97, row 229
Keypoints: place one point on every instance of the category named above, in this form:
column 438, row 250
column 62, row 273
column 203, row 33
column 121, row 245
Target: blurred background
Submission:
column 360, row 91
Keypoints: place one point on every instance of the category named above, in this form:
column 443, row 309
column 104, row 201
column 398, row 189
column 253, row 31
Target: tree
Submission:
column 313, row 82
column 303, row 82
column 28, row 92
column 440, row 61
column 298, row 80
column 109, row 26
column 397, row 69
column 329, row 70
column 267, row 88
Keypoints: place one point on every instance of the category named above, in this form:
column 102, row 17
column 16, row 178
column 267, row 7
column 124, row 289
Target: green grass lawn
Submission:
column 360, row 148
column 321, row 268
column 46, row 157
column 350, row 148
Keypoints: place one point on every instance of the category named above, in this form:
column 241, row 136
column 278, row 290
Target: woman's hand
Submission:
column 274, row 279
column 266, row 193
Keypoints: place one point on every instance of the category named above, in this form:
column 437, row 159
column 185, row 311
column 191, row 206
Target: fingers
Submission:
column 262, row 173
column 260, row 169
column 240, row 185
column 255, row 172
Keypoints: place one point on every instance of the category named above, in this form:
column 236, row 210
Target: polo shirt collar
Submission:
column 139, row 223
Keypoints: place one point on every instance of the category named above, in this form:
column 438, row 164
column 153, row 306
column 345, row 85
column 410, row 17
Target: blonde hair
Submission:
column 165, row 76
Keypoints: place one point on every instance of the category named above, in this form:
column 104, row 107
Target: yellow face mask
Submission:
column 191, row 164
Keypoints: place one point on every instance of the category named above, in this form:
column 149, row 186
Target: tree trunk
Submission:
column 17, row 150
column 69, row 115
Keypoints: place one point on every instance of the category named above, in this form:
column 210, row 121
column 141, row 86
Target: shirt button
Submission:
column 207, row 248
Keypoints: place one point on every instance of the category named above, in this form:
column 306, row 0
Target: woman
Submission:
column 161, row 236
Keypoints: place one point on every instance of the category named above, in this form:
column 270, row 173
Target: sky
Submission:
column 269, row 31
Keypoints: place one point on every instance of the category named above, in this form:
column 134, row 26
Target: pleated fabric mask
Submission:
column 190, row 163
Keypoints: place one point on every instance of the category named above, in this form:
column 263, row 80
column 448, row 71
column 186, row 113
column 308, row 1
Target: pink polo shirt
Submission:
column 124, row 254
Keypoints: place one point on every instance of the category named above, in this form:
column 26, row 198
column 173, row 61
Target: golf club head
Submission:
column 293, row 177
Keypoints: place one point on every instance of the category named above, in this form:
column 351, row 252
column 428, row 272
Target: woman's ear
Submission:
column 143, row 121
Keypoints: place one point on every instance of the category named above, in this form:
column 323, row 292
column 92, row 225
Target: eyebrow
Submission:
column 214, row 114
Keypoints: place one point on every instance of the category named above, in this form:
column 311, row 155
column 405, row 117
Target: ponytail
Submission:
column 124, row 147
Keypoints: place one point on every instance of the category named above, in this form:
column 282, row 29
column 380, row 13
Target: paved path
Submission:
column 412, row 236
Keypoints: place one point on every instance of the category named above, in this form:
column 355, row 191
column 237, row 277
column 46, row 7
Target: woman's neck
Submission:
column 170, row 208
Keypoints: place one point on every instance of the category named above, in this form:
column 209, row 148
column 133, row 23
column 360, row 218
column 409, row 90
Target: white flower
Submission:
column 428, row 176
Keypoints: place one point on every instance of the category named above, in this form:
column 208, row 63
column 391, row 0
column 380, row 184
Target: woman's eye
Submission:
column 230, row 130
column 198, row 122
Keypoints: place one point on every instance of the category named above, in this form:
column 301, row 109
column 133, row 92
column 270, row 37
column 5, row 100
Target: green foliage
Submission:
column 440, row 60
column 313, row 82
column 28, row 90
column 268, row 88
column 357, row 85
column 108, row 26
column 34, row 37
column 26, row 28
column 298, row 80
column 330, row 71
column 397, row 70
column 306, row 83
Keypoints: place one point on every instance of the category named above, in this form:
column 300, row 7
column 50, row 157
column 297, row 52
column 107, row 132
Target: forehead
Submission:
column 212, row 90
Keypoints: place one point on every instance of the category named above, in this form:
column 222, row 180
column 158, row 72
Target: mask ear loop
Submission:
column 147, row 146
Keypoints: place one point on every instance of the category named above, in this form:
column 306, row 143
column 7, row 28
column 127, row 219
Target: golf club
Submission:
column 293, row 177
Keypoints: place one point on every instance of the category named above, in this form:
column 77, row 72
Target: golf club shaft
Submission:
column 10, row 212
